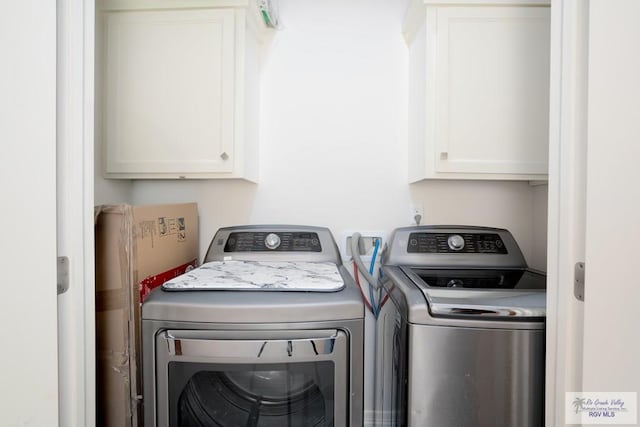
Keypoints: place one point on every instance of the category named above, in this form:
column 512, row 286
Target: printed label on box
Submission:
column 170, row 226
column 162, row 227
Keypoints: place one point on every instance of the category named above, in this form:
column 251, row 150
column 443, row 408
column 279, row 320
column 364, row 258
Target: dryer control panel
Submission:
column 274, row 242
column 282, row 241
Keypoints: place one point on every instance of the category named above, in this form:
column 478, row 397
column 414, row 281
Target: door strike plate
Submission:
column 578, row 281
column 63, row 274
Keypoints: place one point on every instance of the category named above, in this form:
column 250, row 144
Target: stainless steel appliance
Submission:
column 265, row 357
column 460, row 342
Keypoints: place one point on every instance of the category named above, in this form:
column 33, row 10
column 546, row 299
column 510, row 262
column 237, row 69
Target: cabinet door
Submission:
column 492, row 89
column 169, row 92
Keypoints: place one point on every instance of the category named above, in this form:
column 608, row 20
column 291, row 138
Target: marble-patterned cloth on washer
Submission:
column 260, row 276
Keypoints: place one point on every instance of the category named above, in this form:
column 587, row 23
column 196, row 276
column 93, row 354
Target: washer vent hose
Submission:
column 355, row 254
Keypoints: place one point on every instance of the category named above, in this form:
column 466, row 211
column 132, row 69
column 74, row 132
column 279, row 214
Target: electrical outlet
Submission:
column 416, row 213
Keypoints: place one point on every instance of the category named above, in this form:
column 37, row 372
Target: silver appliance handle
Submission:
column 262, row 349
column 441, row 309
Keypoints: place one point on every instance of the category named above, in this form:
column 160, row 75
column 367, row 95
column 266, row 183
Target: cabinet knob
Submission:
column 444, row 155
column 224, row 155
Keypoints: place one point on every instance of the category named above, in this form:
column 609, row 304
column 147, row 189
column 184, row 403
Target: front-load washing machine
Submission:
column 460, row 339
column 267, row 332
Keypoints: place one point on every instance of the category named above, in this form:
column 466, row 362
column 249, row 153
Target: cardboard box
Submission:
column 137, row 248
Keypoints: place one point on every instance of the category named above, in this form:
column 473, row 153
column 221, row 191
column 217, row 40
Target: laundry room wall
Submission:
column 538, row 255
column 106, row 191
column 333, row 147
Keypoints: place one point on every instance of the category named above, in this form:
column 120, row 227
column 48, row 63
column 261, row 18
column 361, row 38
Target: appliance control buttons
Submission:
column 455, row 242
column 272, row 241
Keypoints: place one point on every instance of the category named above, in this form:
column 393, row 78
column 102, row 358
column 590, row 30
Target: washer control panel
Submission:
column 281, row 241
column 448, row 243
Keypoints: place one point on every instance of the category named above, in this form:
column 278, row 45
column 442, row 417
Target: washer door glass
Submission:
column 251, row 395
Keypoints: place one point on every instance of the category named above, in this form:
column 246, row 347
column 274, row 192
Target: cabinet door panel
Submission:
column 492, row 65
column 169, row 91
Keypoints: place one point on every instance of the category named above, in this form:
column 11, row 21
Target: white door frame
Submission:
column 611, row 316
column 567, row 201
column 28, row 359
column 75, row 180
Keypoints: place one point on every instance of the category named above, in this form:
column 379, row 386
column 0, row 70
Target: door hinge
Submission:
column 578, row 281
column 63, row 274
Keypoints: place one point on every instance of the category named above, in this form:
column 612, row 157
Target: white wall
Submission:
column 106, row 191
column 333, row 138
column 538, row 257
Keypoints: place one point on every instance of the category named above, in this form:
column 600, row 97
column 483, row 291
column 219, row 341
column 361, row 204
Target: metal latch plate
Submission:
column 63, row 274
column 578, row 285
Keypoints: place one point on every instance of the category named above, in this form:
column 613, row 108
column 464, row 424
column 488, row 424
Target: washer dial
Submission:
column 455, row 242
column 455, row 283
column 272, row 241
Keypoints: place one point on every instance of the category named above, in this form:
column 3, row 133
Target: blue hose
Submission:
column 376, row 246
column 371, row 268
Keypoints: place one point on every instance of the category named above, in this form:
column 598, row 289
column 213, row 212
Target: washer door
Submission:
column 204, row 380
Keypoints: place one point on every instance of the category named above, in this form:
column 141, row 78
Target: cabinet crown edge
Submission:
column 415, row 11
column 114, row 5
column 255, row 20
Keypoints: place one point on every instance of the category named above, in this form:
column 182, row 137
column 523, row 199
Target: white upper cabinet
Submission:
column 179, row 88
column 478, row 89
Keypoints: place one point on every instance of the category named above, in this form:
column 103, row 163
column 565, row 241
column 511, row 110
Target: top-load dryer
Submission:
column 461, row 337
column 267, row 332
